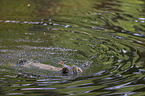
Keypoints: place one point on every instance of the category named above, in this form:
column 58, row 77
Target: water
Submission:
column 104, row 38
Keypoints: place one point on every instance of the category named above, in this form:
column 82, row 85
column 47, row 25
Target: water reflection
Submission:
column 103, row 38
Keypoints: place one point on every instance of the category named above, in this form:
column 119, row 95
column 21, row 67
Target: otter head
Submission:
column 65, row 70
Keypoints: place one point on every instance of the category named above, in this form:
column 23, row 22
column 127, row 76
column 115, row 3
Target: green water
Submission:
column 104, row 37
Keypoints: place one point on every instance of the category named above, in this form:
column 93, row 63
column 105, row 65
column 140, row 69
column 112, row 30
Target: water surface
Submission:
column 105, row 38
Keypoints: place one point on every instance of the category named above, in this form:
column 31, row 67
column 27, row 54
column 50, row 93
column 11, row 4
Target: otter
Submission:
column 66, row 69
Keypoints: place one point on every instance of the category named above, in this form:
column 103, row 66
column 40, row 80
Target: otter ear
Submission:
column 61, row 62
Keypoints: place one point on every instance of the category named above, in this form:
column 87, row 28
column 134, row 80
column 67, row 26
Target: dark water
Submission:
column 106, row 38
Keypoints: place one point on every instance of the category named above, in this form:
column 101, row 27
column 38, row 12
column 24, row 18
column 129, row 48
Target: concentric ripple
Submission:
column 105, row 38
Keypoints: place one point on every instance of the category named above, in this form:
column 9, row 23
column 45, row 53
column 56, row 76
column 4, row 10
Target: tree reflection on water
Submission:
column 104, row 38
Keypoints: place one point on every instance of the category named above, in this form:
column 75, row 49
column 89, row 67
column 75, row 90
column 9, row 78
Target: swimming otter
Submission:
column 66, row 69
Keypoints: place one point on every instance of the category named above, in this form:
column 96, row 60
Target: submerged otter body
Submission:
column 65, row 70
